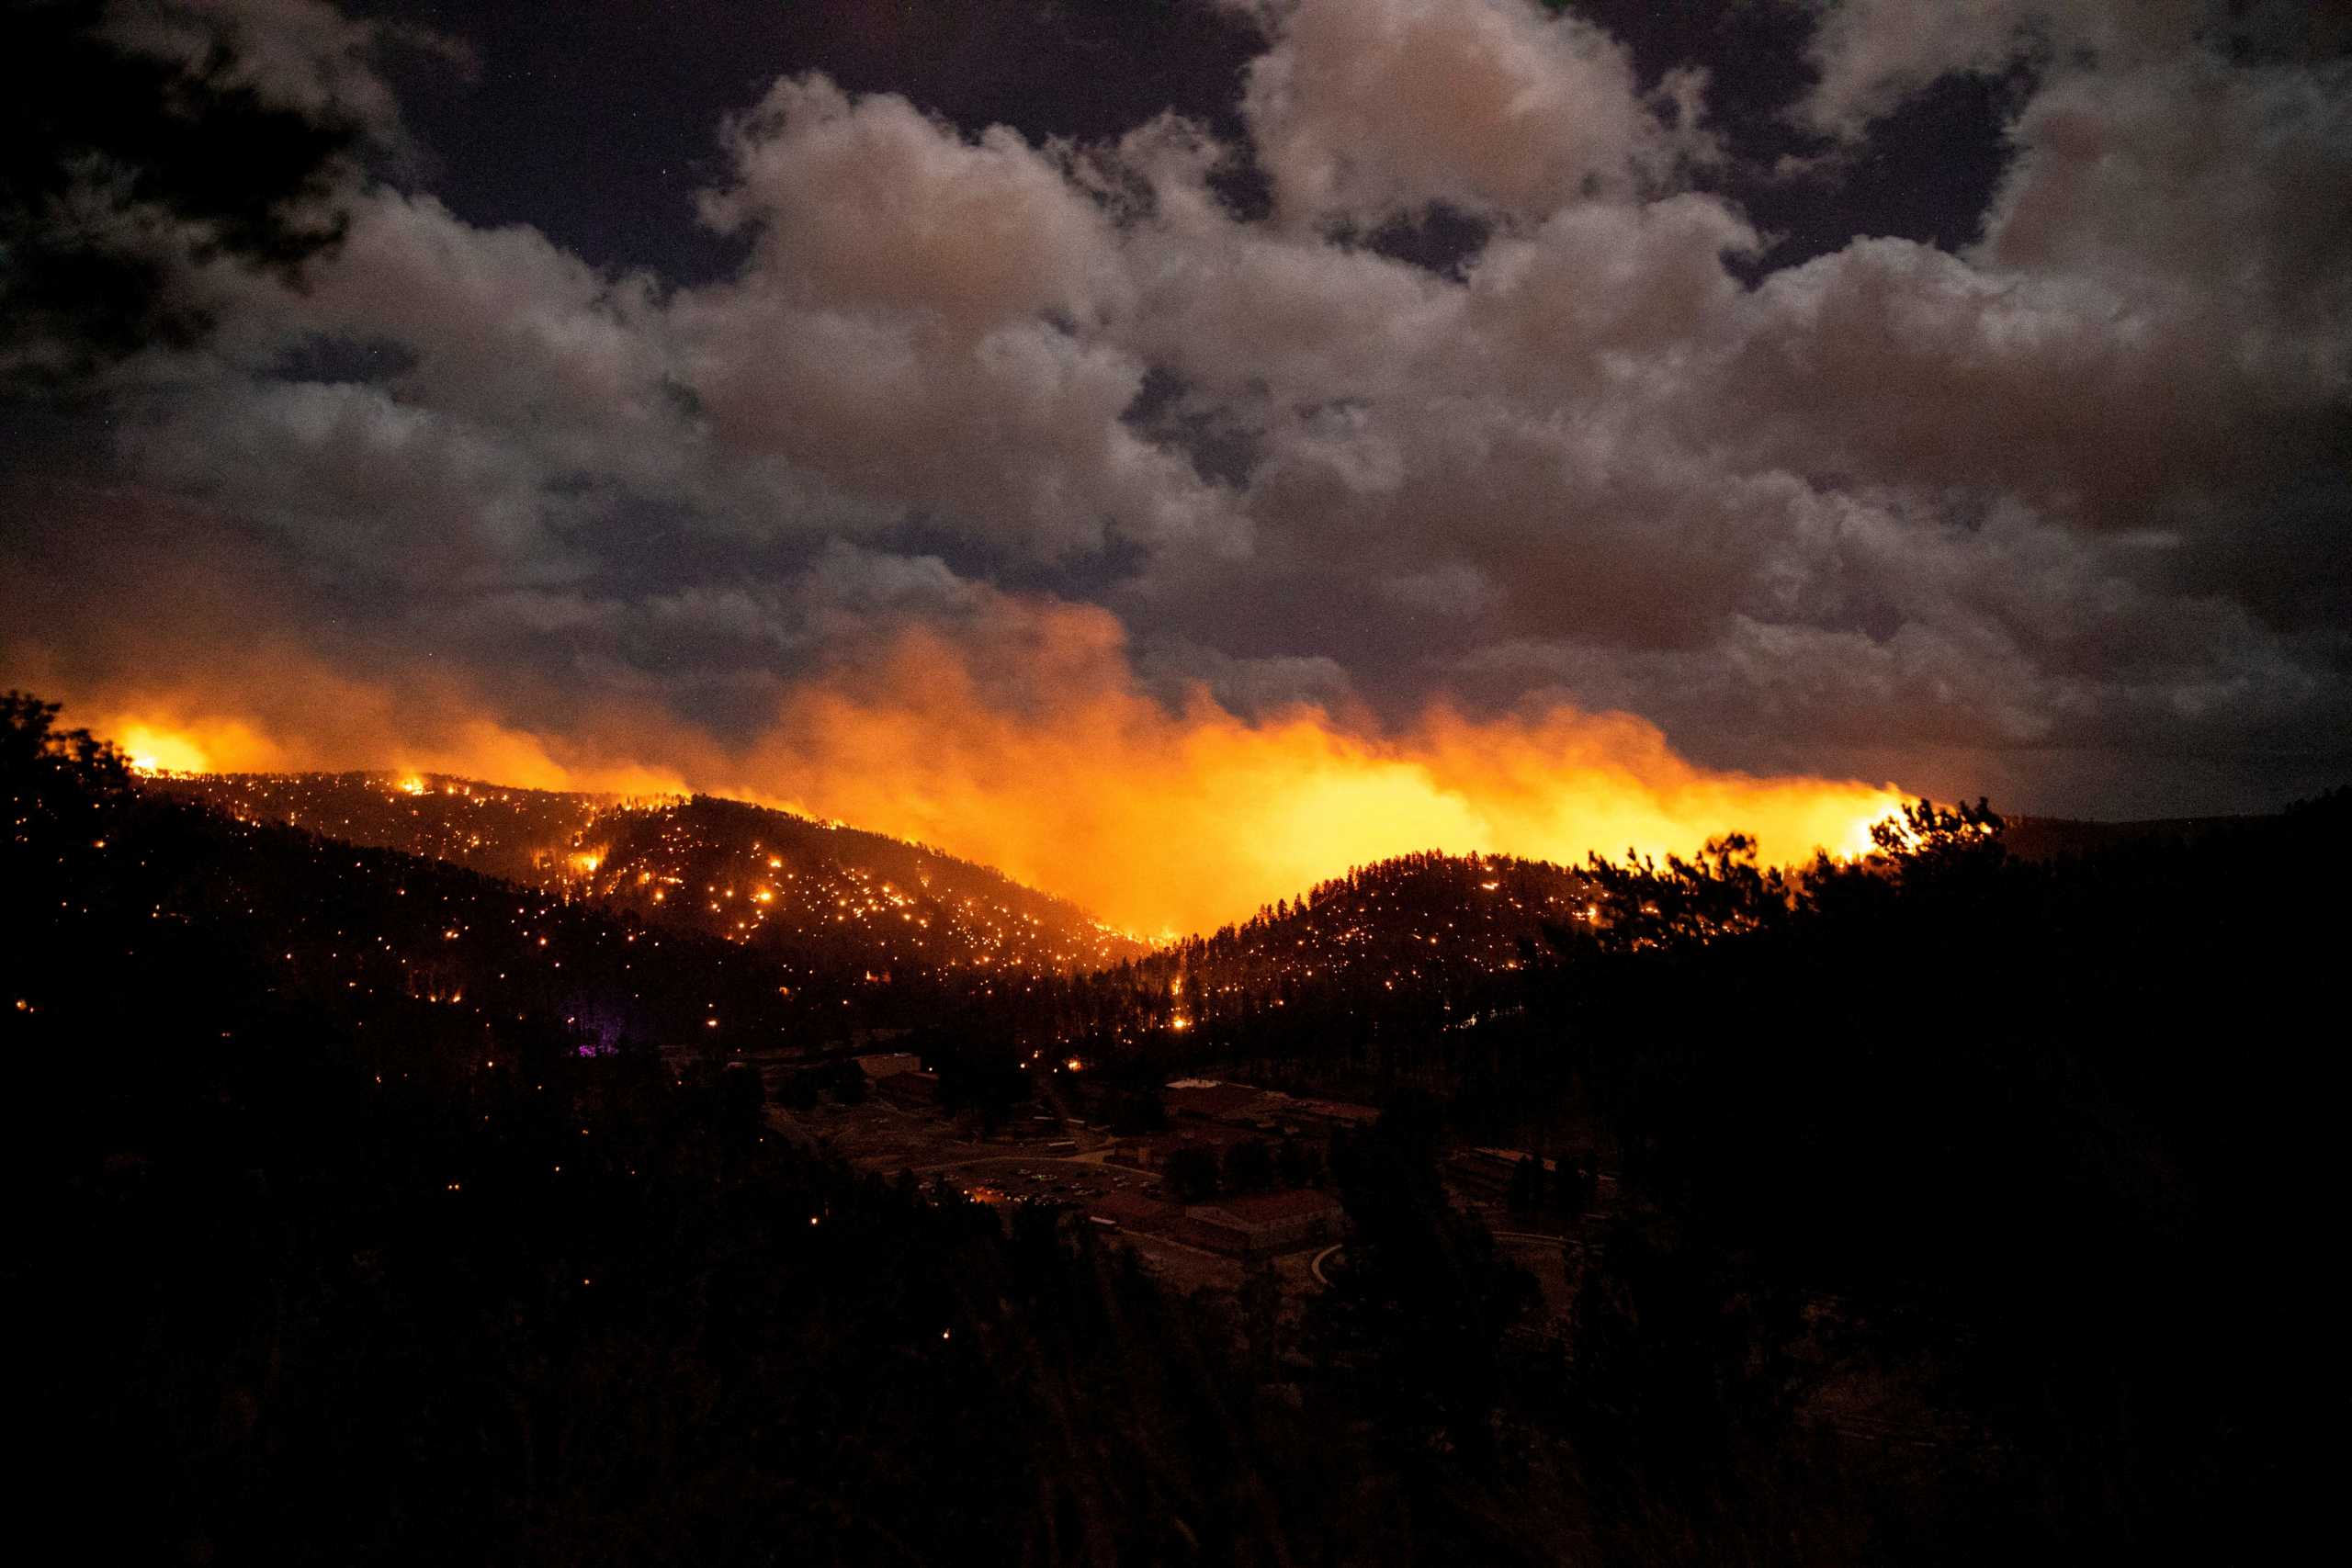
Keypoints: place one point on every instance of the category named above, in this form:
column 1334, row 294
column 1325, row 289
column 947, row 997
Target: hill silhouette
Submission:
column 350, row 1239
column 1364, row 974
column 2054, row 837
column 1419, row 920
column 1945, row 1206
column 825, row 900
column 378, row 926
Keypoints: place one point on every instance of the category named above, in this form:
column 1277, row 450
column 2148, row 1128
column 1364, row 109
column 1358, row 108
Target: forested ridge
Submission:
column 327, row 1271
column 1360, row 980
column 1958, row 1205
column 895, row 928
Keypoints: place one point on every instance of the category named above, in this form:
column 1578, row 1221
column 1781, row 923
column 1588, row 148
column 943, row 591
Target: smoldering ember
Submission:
column 1131, row 781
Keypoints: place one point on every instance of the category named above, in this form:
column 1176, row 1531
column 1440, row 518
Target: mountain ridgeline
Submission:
column 1951, row 1204
column 1365, row 970
column 445, row 948
column 350, row 1236
column 826, row 901
column 1416, row 969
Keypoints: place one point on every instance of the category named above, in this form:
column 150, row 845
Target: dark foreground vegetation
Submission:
column 1959, row 1208
column 2009, row 1173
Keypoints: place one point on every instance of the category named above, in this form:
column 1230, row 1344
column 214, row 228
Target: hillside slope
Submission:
column 823, row 899
column 1420, row 921
column 383, row 929
column 330, row 1264
column 1401, row 951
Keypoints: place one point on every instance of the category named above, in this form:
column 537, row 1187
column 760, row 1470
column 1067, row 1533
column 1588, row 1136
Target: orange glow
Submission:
column 1052, row 763
column 272, row 709
column 1180, row 821
column 162, row 748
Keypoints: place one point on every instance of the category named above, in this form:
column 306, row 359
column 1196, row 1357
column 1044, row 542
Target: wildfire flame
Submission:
column 152, row 749
column 1076, row 780
column 1182, row 820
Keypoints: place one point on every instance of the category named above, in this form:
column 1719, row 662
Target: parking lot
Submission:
column 1020, row 1166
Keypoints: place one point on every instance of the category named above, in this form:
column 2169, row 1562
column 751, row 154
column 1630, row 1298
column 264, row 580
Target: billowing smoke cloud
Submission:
column 1017, row 733
column 1044, row 501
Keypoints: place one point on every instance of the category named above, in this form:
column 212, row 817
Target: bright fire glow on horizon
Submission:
column 150, row 749
column 1086, row 786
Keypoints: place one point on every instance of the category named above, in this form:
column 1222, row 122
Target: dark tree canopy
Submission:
column 1940, row 1207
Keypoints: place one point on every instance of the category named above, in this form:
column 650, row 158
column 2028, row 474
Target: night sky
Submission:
column 1011, row 398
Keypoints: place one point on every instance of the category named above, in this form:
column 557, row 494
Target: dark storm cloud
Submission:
column 2056, row 502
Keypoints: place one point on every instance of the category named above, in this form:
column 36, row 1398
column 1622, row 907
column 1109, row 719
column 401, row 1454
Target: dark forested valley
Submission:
column 390, row 1195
